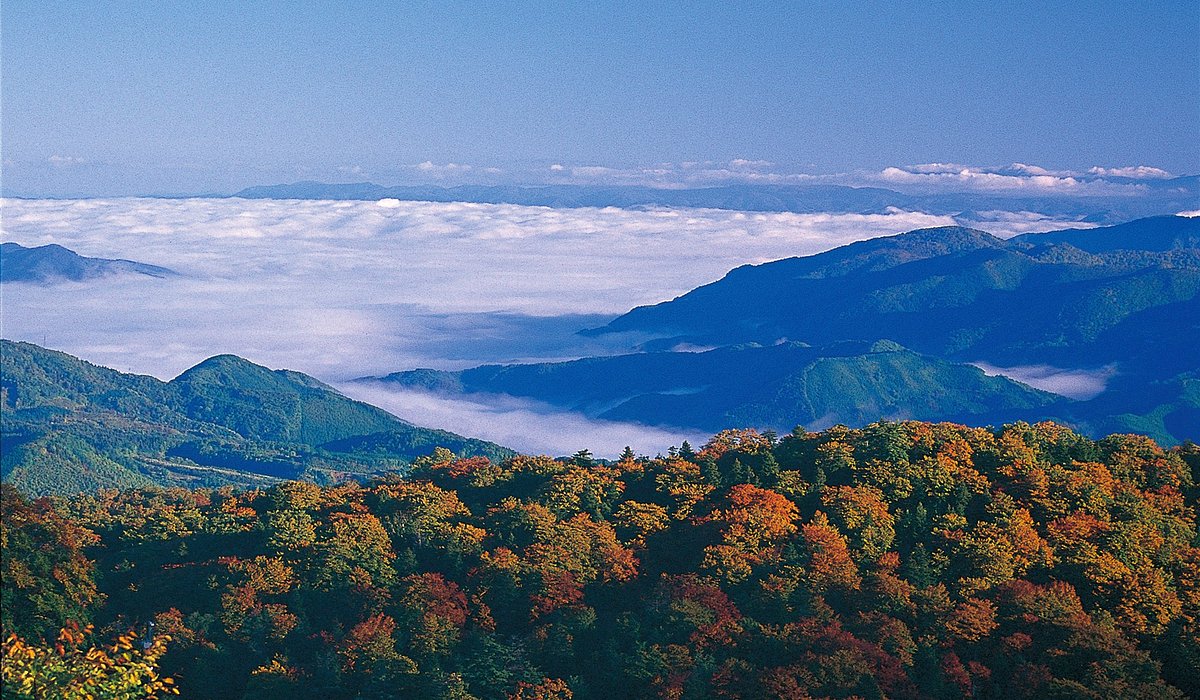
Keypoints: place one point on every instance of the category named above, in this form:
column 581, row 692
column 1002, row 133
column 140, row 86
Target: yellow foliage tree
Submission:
column 72, row 670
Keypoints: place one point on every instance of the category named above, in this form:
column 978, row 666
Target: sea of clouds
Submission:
column 344, row 289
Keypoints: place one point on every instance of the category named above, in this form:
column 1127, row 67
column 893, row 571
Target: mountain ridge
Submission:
column 69, row 425
column 1121, row 303
column 1008, row 285
column 764, row 386
column 52, row 262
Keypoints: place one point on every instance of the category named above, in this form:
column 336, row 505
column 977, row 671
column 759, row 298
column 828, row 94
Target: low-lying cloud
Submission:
column 347, row 288
column 525, row 426
column 344, row 289
column 1079, row 384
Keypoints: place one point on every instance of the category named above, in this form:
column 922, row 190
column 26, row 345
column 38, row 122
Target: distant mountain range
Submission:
column 797, row 340
column 54, row 263
column 1167, row 196
column 1069, row 298
column 71, row 426
column 778, row 386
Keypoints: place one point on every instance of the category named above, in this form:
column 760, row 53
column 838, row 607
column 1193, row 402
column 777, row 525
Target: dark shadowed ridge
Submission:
column 51, row 263
column 776, row 387
column 951, row 292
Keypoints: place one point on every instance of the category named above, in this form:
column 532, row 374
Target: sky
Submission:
column 102, row 98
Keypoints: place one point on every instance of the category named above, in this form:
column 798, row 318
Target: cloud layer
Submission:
column 346, row 289
column 1020, row 178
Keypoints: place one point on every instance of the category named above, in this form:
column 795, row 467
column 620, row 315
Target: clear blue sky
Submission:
column 227, row 94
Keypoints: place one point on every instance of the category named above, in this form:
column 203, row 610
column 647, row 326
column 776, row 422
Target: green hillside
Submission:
column 70, row 426
column 772, row 387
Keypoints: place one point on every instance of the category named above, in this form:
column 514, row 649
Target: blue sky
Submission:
column 107, row 97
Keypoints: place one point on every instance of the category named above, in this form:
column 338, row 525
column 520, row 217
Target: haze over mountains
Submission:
column 1120, row 300
column 1125, row 199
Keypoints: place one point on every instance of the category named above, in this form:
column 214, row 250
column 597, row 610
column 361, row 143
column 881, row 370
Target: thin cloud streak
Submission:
column 525, row 426
column 1078, row 384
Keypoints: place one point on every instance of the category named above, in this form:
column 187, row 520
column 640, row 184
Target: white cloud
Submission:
column 932, row 168
column 1033, row 170
column 347, row 288
column 1012, row 179
column 65, row 160
column 432, row 169
column 1137, row 172
column 1079, row 384
column 1006, row 224
column 1017, row 178
column 743, row 163
column 523, row 425
column 1190, row 214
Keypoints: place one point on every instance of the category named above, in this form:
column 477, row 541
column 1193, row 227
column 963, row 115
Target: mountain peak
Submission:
column 225, row 366
column 945, row 238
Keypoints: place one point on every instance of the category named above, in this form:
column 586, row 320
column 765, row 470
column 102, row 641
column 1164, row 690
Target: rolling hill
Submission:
column 71, row 426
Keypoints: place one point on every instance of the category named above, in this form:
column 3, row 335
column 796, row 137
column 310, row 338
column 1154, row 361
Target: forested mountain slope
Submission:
column 956, row 293
column 777, row 386
column 71, row 426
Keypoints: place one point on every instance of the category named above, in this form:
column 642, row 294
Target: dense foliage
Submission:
column 72, row 670
column 899, row 560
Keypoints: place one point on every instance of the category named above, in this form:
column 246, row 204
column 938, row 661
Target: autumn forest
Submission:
column 897, row 560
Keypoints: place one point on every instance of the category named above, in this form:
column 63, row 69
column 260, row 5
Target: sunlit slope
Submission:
column 72, row 426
